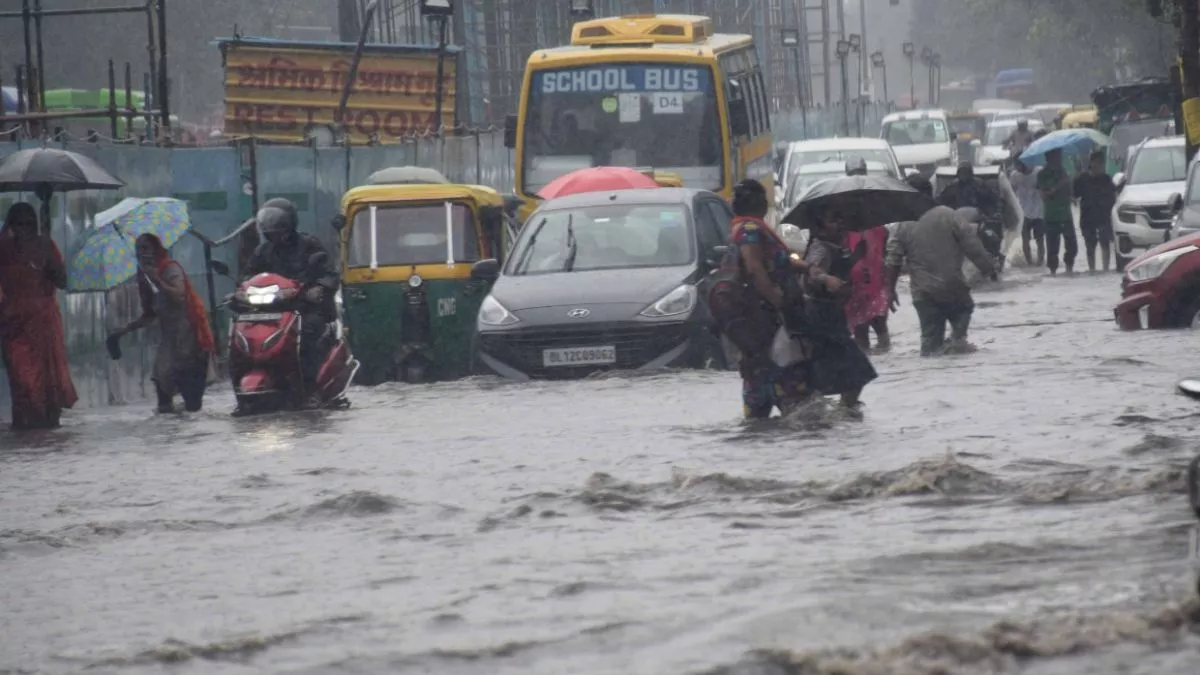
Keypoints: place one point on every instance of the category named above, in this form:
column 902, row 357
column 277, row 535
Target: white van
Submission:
column 921, row 140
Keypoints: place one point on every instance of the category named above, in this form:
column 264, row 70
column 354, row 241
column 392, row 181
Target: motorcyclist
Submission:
column 1020, row 139
column 856, row 166
column 290, row 254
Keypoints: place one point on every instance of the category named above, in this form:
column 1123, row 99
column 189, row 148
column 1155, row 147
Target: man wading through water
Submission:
column 1055, row 186
column 1097, row 195
column 935, row 247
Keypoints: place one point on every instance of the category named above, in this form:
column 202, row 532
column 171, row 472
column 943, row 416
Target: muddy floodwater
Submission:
column 1021, row 509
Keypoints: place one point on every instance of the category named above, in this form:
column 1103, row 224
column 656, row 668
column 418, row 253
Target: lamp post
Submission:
column 582, row 10
column 856, row 46
column 878, row 62
column 843, row 50
column 927, row 61
column 936, row 60
column 791, row 40
column 439, row 12
column 910, row 50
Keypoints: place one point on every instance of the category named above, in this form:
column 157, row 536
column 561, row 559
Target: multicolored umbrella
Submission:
column 107, row 258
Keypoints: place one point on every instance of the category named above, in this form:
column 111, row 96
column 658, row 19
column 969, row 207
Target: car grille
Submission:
column 635, row 346
column 1160, row 216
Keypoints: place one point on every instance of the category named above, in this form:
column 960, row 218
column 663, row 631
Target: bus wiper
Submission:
column 527, row 254
column 572, row 246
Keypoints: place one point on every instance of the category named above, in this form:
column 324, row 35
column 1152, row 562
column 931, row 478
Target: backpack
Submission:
column 737, row 310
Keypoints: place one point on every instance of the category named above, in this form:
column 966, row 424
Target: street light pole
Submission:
column 843, row 50
column 792, row 40
column 439, row 12
column 856, row 46
column 910, row 50
column 877, row 60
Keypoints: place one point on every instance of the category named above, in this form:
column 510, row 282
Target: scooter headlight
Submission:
column 262, row 295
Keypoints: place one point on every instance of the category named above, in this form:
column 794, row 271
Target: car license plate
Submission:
column 579, row 356
column 254, row 318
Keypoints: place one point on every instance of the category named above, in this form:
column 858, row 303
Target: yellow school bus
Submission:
column 654, row 92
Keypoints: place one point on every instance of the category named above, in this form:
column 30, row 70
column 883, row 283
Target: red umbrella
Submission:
column 597, row 179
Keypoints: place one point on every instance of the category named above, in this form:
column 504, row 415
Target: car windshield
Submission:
column 602, row 238
column 805, row 157
column 914, row 132
column 802, row 182
column 998, row 133
column 412, row 235
column 635, row 115
column 1159, row 165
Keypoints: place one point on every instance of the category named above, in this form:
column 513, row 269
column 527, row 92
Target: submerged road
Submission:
column 1020, row 509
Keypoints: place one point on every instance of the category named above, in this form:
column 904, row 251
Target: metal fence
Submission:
column 221, row 185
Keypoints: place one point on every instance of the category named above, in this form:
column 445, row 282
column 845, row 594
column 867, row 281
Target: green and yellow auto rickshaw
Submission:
column 407, row 249
column 969, row 129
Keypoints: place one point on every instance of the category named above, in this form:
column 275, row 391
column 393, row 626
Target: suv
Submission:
column 1142, row 216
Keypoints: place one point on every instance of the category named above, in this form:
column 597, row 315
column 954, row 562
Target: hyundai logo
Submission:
column 580, row 313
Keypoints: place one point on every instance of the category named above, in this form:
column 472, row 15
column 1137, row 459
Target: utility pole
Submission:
column 864, row 66
column 1189, row 58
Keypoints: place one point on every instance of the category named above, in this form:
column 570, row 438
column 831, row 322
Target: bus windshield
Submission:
column 657, row 116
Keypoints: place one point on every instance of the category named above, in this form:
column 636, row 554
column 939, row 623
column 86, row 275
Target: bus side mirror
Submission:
column 510, row 131
column 739, row 118
column 338, row 223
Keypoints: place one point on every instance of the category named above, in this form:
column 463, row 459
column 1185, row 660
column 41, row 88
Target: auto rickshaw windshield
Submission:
column 412, row 235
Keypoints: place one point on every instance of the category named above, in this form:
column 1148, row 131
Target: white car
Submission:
column 993, row 150
column 921, row 140
column 824, row 150
column 1142, row 217
column 810, row 174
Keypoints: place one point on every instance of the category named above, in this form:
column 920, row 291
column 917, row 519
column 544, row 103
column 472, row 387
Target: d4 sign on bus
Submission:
column 668, row 104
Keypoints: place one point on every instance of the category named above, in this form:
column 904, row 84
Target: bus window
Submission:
column 622, row 114
column 762, row 102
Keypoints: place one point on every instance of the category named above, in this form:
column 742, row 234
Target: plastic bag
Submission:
column 785, row 349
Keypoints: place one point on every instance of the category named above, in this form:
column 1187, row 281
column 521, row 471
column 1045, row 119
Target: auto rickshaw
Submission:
column 968, row 127
column 406, row 251
column 1078, row 118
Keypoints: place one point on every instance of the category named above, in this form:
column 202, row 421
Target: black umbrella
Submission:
column 39, row 169
column 45, row 171
column 865, row 201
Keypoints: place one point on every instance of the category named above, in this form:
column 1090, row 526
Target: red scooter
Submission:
column 264, row 350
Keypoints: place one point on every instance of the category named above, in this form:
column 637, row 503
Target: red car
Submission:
column 1161, row 288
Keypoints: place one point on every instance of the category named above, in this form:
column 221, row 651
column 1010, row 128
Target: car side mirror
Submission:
column 220, row 268
column 1119, row 180
column 1175, row 203
column 909, row 173
column 510, row 131
column 338, row 223
column 487, row 269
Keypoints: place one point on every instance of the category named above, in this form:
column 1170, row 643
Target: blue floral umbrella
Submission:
column 107, row 258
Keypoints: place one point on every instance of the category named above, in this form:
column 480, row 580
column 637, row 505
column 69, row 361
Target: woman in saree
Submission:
column 770, row 269
column 31, row 326
column 186, row 339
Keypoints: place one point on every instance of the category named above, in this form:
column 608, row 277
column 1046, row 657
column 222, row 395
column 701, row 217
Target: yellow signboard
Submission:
column 280, row 91
column 1191, row 120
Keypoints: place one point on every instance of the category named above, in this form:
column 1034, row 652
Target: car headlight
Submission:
column 263, row 295
column 679, row 301
column 1153, row 268
column 492, row 313
column 1127, row 214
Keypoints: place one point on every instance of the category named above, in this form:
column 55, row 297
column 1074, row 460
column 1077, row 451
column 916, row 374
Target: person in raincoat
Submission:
column 771, row 270
column 840, row 367
column 186, row 339
column 31, row 327
column 935, row 248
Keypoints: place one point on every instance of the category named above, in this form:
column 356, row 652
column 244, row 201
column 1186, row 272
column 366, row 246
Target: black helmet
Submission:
column 277, row 216
column 856, row 166
column 969, row 214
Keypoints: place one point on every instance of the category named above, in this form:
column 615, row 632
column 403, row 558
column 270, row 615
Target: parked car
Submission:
column 1141, row 216
column 1161, row 288
column 921, row 140
column 606, row 281
column 826, row 150
column 993, row 151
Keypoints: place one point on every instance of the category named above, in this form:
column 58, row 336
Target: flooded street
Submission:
column 1021, row 509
